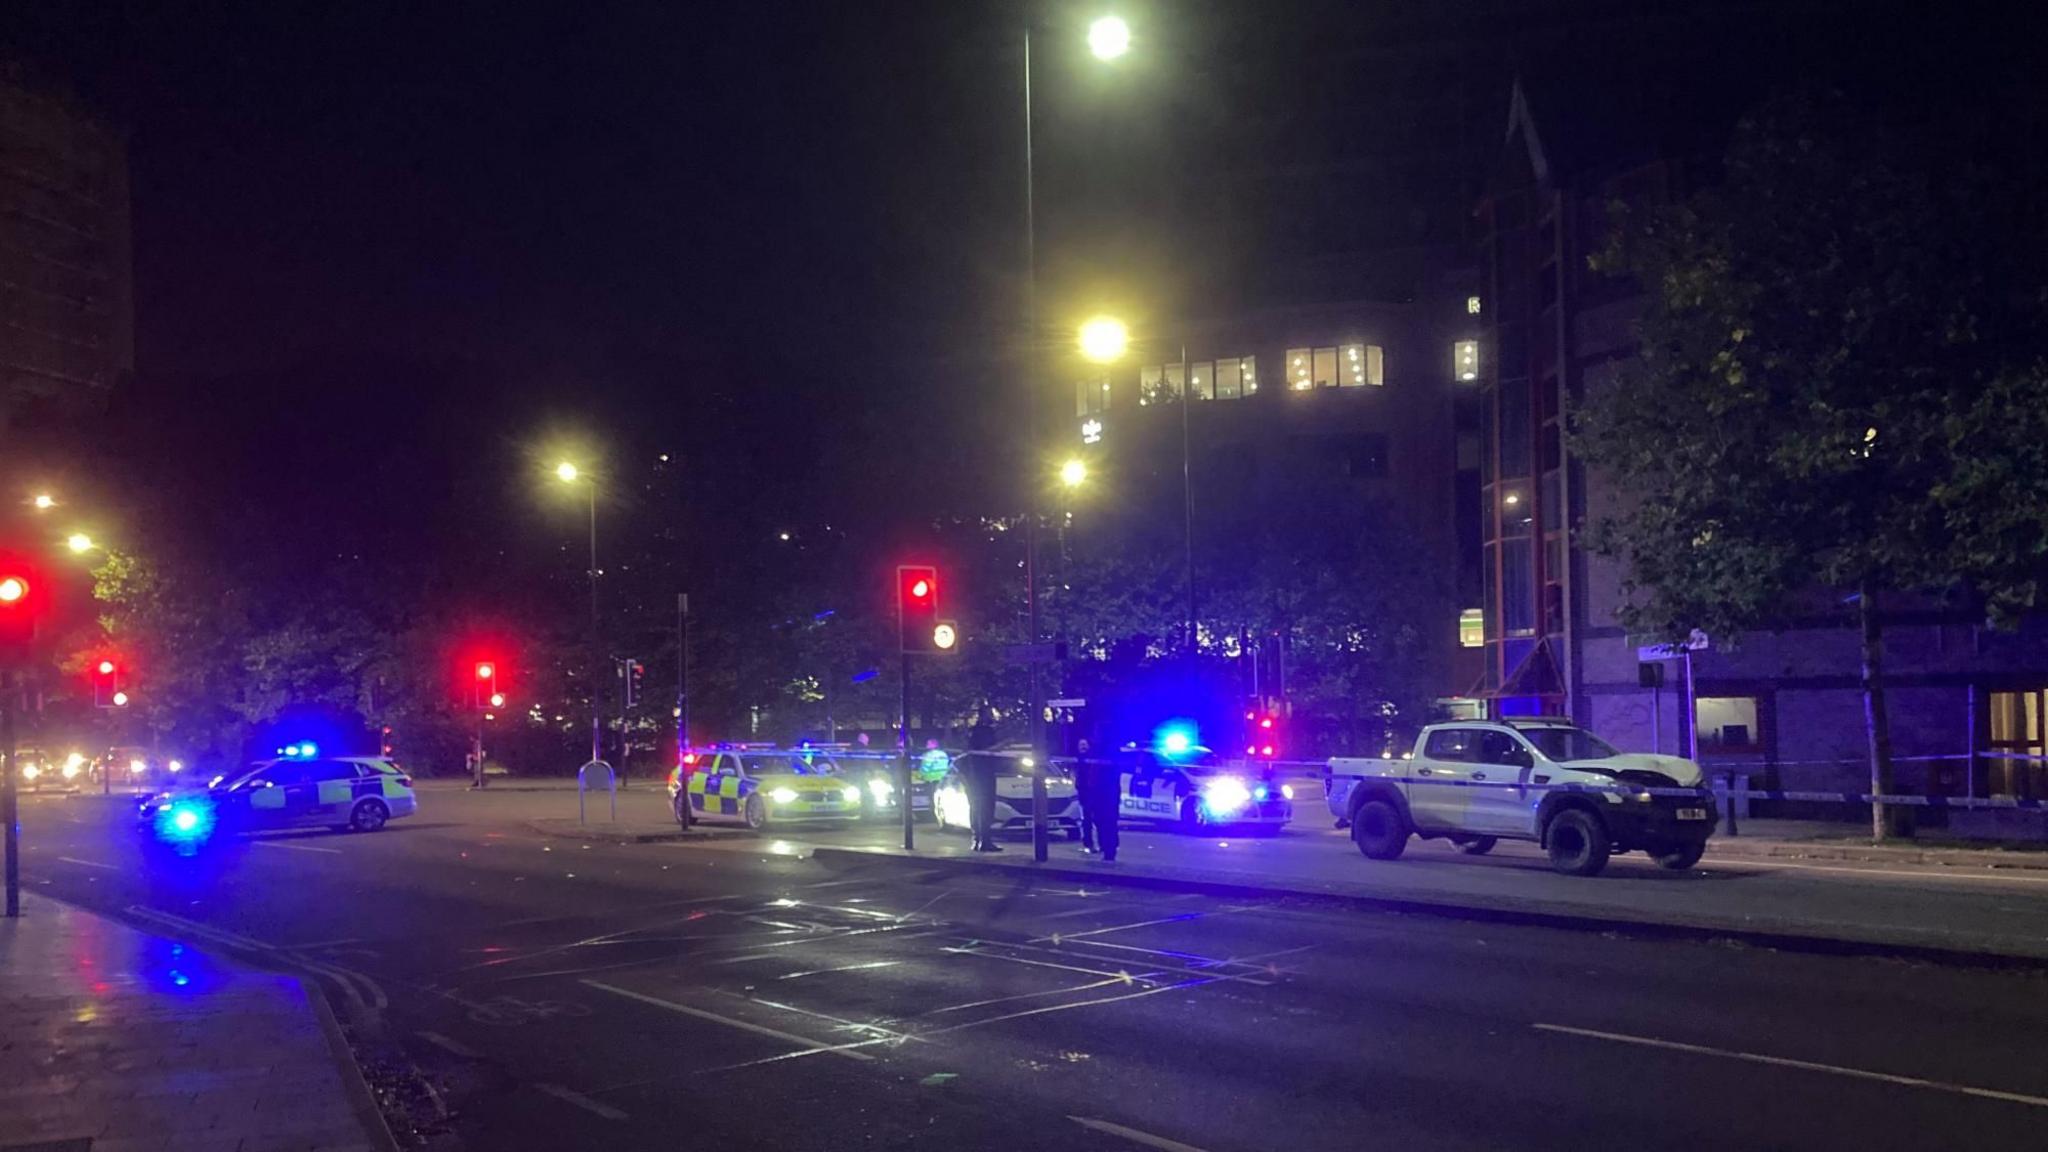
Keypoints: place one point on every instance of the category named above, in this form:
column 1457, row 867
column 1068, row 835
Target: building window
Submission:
column 1297, row 369
column 1465, row 359
column 1472, row 628
column 1159, row 383
column 1326, row 367
column 2016, row 731
column 1471, row 305
column 1229, row 379
column 1202, row 373
column 1362, row 364
column 1091, row 397
column 1251, row 374
column 1728, row 724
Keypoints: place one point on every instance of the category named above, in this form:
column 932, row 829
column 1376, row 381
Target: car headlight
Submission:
column 881, row 789
column 783, row 795
column 176, row 766
column 1287, row 790
column 30, row 771
column 1226, row 794
column 850, row 794
column 70, row 771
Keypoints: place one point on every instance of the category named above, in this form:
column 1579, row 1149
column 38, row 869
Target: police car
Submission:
column 876, row 774
column 1012, row 812
column 305, row 790
column 759, row 785
column 1185, row 784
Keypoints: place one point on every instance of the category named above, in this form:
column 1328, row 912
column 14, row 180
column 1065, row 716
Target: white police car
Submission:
column 1193, row 788
column 1015, row 770
column 345, row 793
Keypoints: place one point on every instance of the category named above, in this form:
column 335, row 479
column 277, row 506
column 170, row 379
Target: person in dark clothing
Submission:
column 978, row 770
column 1098, row 783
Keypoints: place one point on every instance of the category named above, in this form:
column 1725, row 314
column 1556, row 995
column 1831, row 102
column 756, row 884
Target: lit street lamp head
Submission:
column 78, row 542
column 566, row 472
column 1109, row 37
column 1072, row 473
column 1103, row 339
column 44, row 501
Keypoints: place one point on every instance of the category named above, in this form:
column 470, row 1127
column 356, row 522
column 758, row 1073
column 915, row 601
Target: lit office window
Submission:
column 1465, row 359
column 1229, row 379
column 1297, row 368
column 1326, row 367
column 1151, row 384
column 1251, row 374
column 1202, row 376
column 1176, row 376
column 1471, row 305
column 1472, row 628
column 1091, row 397
column 1362, row 364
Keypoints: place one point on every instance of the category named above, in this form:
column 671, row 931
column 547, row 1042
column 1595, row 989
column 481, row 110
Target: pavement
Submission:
column 550, row 993
column 128, row 1041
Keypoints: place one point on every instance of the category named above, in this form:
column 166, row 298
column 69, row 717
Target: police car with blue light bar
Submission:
column 301, row 789
column 1178, row 781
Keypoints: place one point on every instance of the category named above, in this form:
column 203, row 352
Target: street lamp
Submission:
column 44, row 501
column 1073, row 473
column 78, row 542
column 1103, row 339
column 1109, row 37
column 568, row 473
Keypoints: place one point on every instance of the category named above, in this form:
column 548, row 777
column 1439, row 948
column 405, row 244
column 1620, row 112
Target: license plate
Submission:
column 1692, row 813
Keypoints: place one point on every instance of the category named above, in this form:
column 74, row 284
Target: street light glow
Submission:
column 1109, row 37
column 1072, row 473
column 1103, row 339
column 44, row 501
column 79, row 542
column 566, row 472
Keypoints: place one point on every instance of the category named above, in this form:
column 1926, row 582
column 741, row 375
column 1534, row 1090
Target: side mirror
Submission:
column 1520, row 758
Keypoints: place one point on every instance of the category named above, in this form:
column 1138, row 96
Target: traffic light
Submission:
column 106, row 684
column 1262, row 735
column 483, row 691
column 917, row 609
column 20, row 604
column 632, row 671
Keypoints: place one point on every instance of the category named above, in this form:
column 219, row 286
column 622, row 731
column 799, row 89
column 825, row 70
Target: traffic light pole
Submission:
column 1037, row 694
column 903, row 782
column 10, row 799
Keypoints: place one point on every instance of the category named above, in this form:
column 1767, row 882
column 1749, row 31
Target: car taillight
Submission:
column 405, row 781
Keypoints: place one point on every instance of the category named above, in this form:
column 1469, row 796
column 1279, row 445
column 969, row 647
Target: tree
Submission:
column 1832, row 392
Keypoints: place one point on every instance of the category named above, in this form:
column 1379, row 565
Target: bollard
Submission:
column 1731, row 803
column 611, row 783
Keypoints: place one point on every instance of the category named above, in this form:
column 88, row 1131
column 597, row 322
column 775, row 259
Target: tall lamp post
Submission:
column 1108, row 38
column 568, row 473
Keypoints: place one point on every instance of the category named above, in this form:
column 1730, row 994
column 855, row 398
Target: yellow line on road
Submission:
column 1803, row 1065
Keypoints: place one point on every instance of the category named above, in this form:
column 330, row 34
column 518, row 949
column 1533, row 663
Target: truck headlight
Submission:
column 880, row 789
column 850, row 794
column 783, row 795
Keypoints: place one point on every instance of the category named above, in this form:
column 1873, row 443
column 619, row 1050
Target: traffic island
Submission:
column 607, row 832
column 1581, row 911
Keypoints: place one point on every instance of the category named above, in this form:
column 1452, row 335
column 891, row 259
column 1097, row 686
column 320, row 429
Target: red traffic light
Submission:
column 106, row 667
column 13, row 589
column 917, row 608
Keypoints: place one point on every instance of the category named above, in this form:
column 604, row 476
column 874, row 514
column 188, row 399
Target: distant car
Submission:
column 346, row 793
column 1014, row 773
column 878, row 780
column 760, row 787
column 1195, row 789
column 40, row 771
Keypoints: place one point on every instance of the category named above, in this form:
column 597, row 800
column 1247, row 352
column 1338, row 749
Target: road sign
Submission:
column 1028, row 653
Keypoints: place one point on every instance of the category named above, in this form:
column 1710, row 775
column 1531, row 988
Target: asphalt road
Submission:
column 558, row 995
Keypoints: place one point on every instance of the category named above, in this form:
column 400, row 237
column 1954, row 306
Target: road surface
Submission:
column 557, row 995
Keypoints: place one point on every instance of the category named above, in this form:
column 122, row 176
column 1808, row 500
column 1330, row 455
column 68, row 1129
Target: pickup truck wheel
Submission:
column 1477, row 845
column 1379, row 830
column 1578, row 841
column 1683, row 856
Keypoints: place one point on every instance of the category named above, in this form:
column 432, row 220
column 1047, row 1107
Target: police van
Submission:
column 759, row 785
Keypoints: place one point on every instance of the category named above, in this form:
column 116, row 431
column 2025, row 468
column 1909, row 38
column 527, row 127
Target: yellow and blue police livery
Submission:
column 759, row 787
column 1190, row 786
column 304, row 790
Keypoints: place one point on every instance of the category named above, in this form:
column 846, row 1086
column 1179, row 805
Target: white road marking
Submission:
column 594, row 1107
column 1123, row 976
column 1134, row 1136
column 1026, row 996
column 448, row 1044
column 842, row 968
column 742, row 1025
column 88, row 863
column 295, row 847
column 1059, row 936
column 1803, row 1065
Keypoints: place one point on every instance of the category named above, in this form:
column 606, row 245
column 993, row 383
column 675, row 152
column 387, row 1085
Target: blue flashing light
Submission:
column 184, row 819
column 1175, row 739
column 184, row 823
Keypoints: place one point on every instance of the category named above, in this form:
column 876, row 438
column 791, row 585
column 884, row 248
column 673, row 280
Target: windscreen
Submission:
column 1567, row 744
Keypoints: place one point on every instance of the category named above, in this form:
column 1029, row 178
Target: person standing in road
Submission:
column 980, row 778
column 1100, row 795
column 1084, row 791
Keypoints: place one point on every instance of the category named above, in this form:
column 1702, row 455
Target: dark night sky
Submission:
column 664, row 221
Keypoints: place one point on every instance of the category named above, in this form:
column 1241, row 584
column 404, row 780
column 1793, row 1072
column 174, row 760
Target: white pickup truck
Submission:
column 1545, row 780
